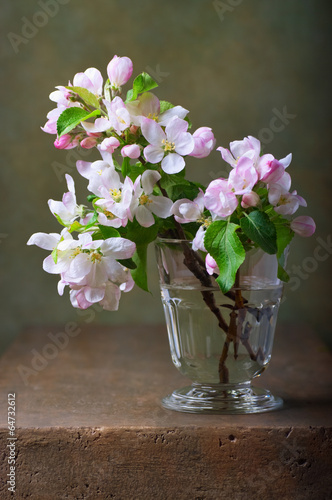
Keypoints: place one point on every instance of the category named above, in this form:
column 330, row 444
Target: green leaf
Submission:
column 222, row 242
column 91, row 197
column 142, row 83
column 139, row 274
column 75, row 226
column 165, row 105
column 129, row 263
column 178, row 191
column 284, row 235
column 258, row 227
column 88, row 97
column 71, row 117
column 108, row 232
column 282, row 274
column 125, row 166
column 141, row 235
column 92, row 221
column 55, row 255
column 168, row 180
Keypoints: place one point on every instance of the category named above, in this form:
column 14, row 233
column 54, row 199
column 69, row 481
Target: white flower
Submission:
column 144, row 204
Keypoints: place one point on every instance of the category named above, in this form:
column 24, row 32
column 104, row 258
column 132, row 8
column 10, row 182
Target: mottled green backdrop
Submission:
column 243, row 67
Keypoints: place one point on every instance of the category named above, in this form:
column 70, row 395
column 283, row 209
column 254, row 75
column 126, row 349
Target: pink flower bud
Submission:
column 131, row 150
column 88, row 143
column 64, row 142
column 119, row 71
column 250, row 200
column 110, row 144
column 133, row 129
column 303, row 225
column 204, row 142
column 211, row 265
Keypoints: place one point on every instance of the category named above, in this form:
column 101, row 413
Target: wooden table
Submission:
column 89, row 423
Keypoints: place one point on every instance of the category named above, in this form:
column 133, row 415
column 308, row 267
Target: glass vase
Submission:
column 221, row 342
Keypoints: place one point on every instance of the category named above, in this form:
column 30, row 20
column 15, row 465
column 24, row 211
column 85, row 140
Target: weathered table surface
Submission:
column 89, row 423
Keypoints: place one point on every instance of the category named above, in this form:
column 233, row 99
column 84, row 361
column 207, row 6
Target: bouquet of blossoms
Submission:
column 139, row 191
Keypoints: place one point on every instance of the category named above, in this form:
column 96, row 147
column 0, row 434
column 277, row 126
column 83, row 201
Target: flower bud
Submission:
column 131, row 150
column 303, row 225
column 204, row 142
column 88, row 142
column 64, row 142
column 119, row 71
column 109, row 144
column 250, row 200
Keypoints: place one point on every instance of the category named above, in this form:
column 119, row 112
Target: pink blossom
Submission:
column 116, row 196
column 119, row 70
column 198, row 241
column 91, row 80
column 271, row 170
column 88, row 143
column 107, row 148
column 169, row 146
column 185, row 210
column 148, row 105
column 220, row 198
column 250, row 199
column 93, row 171
column 118, row 114
column 249, row 147
column 53, row 115
column 204, row 142
column 65, row 142
column 211, row 265
column 144, row 204
column 243, row 177
column 303, row 225
column 285, row 203
column 131, row 150
column 67, row 209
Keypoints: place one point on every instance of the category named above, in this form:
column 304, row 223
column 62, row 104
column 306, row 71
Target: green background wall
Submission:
column 232, row 63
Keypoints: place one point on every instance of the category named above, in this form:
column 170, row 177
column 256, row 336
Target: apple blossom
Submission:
column 148, row 105
column 144, row 204
column 67, row 209
column 250, row 199
column 204, row 142
column 107, row 148
column 116, row 196
column 91, row 80
column 93, row 171
column 131, row 150
column 243, row 177
column 211, row 265
column 66, row 141
column 119, row 71
column 219, row 198
column 169, row 146
column 89, row 143
column 285, row 203
column 185, row 210
column 303, row 225
column 249, row 147
column 118, row 115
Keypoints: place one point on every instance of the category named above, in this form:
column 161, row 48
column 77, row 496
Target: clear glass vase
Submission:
column 219, row 341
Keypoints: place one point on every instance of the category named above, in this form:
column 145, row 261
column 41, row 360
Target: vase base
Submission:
column 226, row 400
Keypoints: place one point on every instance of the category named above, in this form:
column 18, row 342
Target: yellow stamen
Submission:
column 116, row 194
column 144, row 199
column 153, row 116
column 96, row 257
column 167, row 145
column 109, row 215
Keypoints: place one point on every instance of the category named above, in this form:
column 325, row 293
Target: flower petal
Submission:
column 152, row 132
column 173, row 163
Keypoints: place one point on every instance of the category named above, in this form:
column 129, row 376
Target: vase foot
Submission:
column 226, row 399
